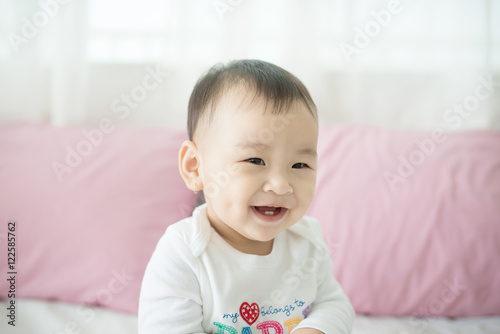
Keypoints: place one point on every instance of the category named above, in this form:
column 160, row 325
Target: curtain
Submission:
column 404, row 64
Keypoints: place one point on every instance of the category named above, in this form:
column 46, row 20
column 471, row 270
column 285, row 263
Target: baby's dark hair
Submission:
column 273, row 84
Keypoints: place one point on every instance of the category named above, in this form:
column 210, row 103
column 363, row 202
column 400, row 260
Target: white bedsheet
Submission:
column 43, row 317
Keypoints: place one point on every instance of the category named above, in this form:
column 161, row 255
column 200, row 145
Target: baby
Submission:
column 247, row 261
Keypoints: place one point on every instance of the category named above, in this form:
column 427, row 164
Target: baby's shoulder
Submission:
column 191, row 234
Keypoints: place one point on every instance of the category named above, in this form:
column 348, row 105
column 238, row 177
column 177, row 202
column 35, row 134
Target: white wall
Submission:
column 421, row 61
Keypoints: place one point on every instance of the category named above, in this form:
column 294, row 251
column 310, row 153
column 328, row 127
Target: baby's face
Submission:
column 258, row 171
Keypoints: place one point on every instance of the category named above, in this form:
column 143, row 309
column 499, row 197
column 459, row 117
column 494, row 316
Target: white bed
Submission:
column 43, row 317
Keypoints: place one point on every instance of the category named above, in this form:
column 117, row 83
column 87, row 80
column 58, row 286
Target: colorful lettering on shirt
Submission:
column 271, row 310
column 263, row 326
column 306, row 310
column 232, row 316
column 299, row 303
column 291, row 323
column 223, row 328
column 251, row 312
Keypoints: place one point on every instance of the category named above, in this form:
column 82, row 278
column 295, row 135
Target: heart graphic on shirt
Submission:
column 249, row 313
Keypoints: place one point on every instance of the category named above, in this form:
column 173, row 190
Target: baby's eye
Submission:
column 300, row 165
column 256, row 161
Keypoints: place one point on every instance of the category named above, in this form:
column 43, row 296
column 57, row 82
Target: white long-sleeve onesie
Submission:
column 195, row 282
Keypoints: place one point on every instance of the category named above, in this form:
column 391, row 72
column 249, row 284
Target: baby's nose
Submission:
column 279, row 184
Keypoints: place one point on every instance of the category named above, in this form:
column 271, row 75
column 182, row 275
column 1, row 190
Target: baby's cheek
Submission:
column 306, row 188
column 245, row 184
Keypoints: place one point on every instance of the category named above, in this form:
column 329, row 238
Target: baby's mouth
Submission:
column 268, row 210
column 269, row 213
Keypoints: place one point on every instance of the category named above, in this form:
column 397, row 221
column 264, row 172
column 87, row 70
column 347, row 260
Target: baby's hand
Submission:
column 307, row 331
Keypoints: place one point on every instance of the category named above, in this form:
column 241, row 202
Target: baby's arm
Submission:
column 332, row 311
column 170, row 299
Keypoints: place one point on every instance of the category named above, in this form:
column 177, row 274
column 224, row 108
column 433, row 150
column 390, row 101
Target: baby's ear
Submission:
column 189, row 163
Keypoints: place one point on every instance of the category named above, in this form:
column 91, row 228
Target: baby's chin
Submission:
column 260, row 239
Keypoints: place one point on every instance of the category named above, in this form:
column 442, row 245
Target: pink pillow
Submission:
column 412, row 219
column 87, row 235
column 422, row 243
